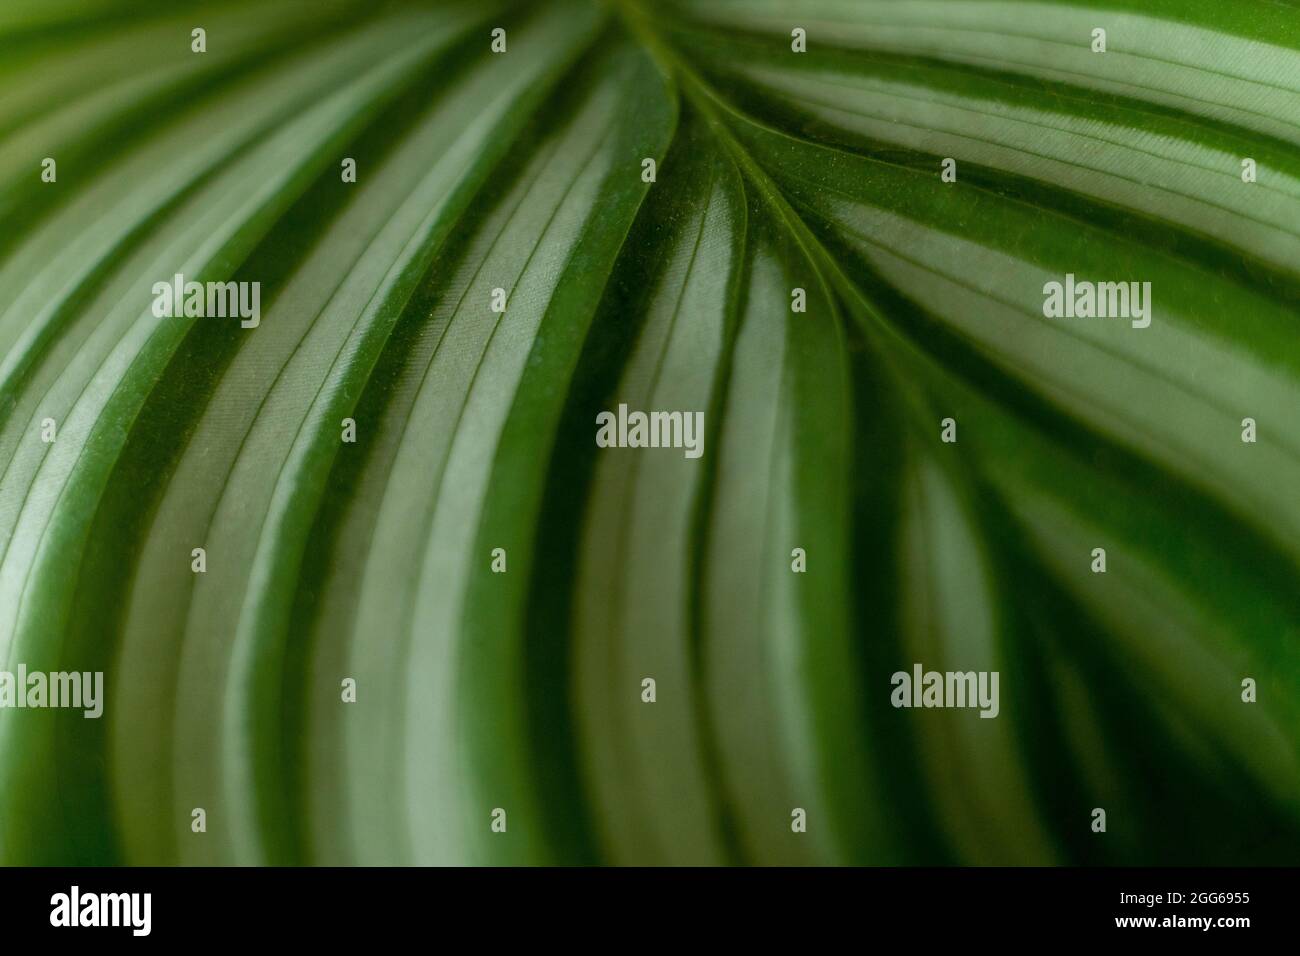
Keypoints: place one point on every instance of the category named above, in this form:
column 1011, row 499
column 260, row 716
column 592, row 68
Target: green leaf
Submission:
column 672, row 655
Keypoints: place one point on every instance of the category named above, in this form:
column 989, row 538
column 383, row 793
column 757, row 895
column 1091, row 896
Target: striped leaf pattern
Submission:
column 735, row 207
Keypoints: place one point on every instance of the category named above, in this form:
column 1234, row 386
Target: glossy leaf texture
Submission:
column 434, row 621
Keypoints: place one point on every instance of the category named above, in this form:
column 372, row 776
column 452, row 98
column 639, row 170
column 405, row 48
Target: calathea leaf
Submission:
column 653, row 415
